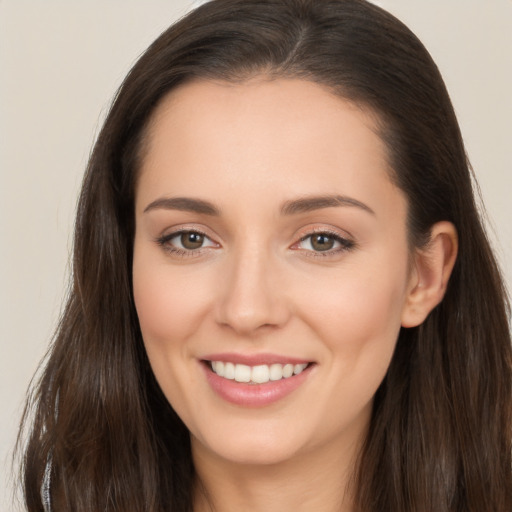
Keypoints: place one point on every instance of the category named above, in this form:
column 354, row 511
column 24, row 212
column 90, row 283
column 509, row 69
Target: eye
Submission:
column 185, row 241
column 189, row 240
column 324, row 242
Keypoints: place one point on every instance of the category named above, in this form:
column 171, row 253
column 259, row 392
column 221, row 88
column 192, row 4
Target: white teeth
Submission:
column 276, row 372
column 298, row 368
column 229, row 371
column 287, row 370
column 260, row 374
column 242, row 373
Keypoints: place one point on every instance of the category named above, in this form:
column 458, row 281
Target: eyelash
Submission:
column 345, row 244
column 164, row 240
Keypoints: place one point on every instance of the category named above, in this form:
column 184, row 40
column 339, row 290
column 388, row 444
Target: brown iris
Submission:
column 322, row 242
column 191, row 240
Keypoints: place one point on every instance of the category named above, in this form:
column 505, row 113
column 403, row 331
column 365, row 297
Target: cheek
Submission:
column 169, row 308
column 358, row 314
column 169, row 301
column 358, row 320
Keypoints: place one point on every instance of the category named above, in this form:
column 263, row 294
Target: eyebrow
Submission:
column 292, row 207
column 307, row 204
column 186, row 204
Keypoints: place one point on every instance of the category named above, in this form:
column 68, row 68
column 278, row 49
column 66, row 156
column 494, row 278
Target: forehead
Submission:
column 289, row 100
column 278, row 137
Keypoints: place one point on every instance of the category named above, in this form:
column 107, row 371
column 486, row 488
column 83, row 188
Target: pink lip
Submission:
column 254, row 395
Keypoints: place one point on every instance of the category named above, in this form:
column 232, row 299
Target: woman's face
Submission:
column 271, row 242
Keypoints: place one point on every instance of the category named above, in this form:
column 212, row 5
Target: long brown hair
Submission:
column 440, row 437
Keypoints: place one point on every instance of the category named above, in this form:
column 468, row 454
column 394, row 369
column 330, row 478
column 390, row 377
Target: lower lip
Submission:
column 254, row 395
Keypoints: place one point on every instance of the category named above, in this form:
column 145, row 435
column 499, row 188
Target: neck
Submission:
column 318, row 480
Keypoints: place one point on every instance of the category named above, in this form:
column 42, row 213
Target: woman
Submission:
column 283, row 296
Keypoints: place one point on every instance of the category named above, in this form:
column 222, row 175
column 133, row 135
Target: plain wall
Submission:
column 60, row 64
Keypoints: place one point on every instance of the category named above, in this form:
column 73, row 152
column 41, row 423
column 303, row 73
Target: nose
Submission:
column 251, row 296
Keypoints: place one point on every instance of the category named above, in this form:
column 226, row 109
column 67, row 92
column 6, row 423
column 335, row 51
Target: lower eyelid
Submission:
column 330, row 253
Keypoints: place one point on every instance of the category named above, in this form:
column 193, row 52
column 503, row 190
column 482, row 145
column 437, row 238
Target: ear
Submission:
column 431, row 270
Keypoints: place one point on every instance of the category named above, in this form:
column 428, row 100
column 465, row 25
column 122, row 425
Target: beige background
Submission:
column 60, row 63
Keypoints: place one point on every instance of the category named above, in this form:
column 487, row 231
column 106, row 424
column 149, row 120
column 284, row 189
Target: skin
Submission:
column 257, row 285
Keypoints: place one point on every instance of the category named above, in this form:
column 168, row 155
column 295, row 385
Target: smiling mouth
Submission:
column 259, row 374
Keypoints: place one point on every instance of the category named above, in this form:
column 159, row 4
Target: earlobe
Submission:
column 432, row 267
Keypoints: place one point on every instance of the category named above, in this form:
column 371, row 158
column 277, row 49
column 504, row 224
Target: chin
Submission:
column 250, row 447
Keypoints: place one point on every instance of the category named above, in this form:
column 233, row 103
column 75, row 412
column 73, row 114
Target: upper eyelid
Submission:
column 334, row 234
column 164, row 242
column 344, row 241
column 169, row 232
column 174, row 234
column 343, row 237
column 332, row 231
column 300, row 235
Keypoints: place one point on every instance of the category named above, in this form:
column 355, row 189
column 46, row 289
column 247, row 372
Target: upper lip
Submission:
column 254, row 359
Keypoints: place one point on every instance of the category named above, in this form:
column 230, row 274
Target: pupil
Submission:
column 192, row 240
column 322, row 242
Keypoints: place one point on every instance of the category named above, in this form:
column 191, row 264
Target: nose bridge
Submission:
column 251, row 297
